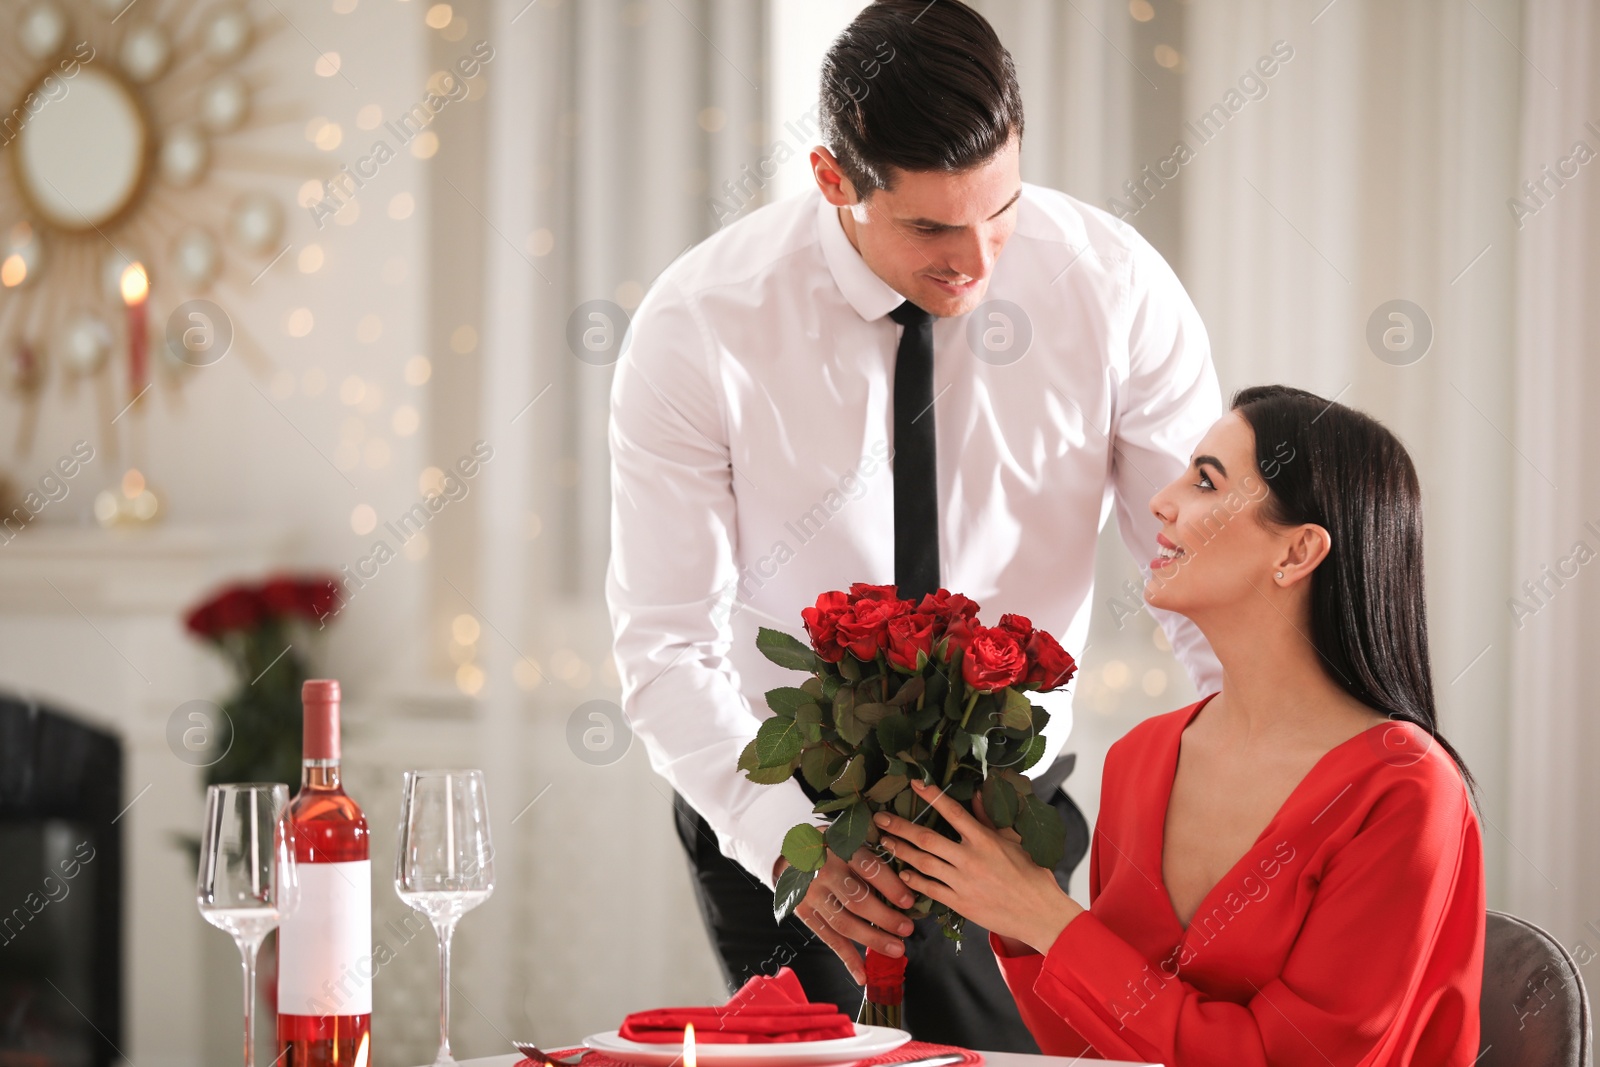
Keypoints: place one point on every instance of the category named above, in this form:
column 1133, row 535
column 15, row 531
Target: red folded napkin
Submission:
column 763, row 1010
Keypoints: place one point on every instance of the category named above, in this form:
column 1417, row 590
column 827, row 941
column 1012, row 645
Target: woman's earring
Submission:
column 1280, row 574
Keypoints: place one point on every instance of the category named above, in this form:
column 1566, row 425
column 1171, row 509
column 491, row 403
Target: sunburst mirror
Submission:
column 126, row 191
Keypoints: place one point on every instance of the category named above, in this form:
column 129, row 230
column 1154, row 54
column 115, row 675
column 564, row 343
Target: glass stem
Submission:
column 247, row 950
column 445, row 932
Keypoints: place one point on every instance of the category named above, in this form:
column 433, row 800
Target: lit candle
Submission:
column 135, row 291
column 688, row 1045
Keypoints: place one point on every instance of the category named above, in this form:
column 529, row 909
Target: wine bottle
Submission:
column 325, row 963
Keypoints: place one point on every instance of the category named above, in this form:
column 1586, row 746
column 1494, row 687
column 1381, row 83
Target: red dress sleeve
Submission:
column 1021, row 972
column 1384, row 969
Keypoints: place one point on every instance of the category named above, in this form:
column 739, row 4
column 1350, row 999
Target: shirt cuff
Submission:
column 756, row 838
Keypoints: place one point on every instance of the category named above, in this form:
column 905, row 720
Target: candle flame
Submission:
column 688, row 1045
column 135, row 284
column 361, row 1052
column 14, row 271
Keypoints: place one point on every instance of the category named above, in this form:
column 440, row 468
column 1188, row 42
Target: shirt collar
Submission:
column 870, row 295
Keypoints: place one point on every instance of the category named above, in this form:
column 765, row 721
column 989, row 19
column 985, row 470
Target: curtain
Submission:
column 1551, row 603
column 606, row 122
column 1372, row 170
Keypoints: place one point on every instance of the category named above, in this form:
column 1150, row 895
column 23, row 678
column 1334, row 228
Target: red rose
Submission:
column 863, row 627
column 958, row 634
column 1048, row 663
column 994, row 659
column 862, row 591
column 948, row 605
column 908, row 635
column 281, row 596
column 319, row 598
column 822, row 624
column 236, row 608
column 201, row 621
column 1017, row 624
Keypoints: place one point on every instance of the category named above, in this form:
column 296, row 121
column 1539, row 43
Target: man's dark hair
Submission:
column 917, row 85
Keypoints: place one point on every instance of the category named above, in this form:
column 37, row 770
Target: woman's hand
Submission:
column 986, row 876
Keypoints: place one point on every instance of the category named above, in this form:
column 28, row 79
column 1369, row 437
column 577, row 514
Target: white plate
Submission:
column 869, row 1041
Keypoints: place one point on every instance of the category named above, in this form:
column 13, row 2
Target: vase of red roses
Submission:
column 903, row 689
column 262, row 629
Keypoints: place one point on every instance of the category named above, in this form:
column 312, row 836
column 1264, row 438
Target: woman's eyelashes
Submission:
column 1205, row 482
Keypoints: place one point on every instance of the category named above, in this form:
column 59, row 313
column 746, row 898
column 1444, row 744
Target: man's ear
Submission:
column 836, row 188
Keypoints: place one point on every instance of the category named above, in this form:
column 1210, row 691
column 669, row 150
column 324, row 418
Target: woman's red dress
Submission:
column 1351, row 933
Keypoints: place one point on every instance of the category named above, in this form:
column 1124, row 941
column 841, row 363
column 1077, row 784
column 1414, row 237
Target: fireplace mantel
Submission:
column 91, row 624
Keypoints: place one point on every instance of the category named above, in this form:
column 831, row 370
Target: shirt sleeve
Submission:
column 671, row 583
column 1168, row 401
column 1398, row 901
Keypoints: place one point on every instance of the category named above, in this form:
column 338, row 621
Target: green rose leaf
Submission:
column 905, row 804
column 1000, row 801
column 778, row 741
column 909, row 691
column 819, row 766
column 1044, row 837
column 771, row 775
column 853, row 778
column 896, row 734
column 980, row 749
column 1019, row 782
column 849, row 830
column 925, row 717
column 748, row 760
column 836, row 804
column 790, row 891
column 850, row 667
column 1017, row 713
column 851, row 729
column 786, row 699
column 872, row 714
column 786, row 651
column 804, row 847
column 1032, row 753
column 887, row 788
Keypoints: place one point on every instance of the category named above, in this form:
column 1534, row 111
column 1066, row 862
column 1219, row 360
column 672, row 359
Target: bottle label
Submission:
column 325, row 963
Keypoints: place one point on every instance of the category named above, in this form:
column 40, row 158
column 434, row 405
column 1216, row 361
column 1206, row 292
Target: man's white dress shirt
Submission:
column 751, row 430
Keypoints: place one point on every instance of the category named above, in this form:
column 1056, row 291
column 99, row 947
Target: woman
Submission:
column 1289, row 870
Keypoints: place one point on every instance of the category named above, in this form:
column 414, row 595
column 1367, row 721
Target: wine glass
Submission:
column 444, row 865
column 247, row 882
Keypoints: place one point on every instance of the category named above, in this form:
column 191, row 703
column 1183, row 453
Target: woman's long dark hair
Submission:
column 1327, row 464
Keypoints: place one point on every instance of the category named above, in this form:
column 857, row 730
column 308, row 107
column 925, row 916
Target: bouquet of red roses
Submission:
column 900, row 690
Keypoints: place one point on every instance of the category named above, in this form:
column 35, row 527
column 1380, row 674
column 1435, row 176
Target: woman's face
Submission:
column 1213, row 549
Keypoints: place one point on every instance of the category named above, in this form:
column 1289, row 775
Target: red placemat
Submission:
column 911, row 1050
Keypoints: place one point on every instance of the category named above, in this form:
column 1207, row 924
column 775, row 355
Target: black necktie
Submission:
column 916, row 480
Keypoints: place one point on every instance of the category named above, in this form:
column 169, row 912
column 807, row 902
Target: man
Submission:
column 923, row 372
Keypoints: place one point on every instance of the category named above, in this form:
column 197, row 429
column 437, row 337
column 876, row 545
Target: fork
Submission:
column 533, row 1053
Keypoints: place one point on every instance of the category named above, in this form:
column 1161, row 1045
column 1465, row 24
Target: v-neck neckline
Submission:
column 1166, row 803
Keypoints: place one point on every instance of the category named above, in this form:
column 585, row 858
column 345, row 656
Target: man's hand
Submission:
column 847, row 903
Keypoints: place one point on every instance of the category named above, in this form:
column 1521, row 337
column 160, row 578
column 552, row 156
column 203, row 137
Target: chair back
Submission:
column 1535, row 1010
